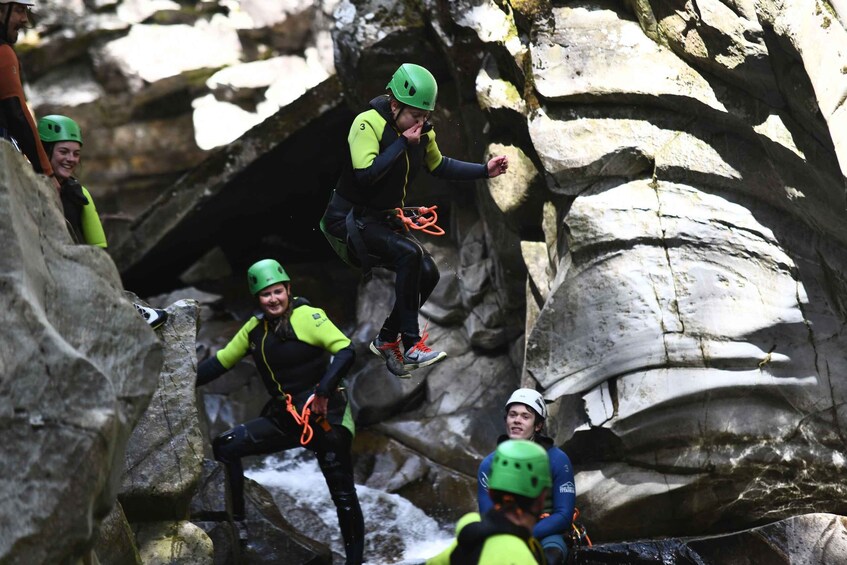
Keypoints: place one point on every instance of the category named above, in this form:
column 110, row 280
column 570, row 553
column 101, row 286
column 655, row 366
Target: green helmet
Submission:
column 55, row 128
column 263, row 274
column 520, row 467
column 414, row 86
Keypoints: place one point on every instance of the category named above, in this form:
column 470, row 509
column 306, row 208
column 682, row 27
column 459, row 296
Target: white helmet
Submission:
column 531, row 398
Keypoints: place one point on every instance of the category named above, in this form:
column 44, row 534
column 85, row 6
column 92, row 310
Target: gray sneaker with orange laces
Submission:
column 390, row 352
column 420, row 355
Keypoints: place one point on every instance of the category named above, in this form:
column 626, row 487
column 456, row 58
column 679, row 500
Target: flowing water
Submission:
column 396, row 531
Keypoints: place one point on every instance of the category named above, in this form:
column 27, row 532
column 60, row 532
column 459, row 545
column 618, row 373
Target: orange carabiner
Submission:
column 421, row 218
column 302, row 419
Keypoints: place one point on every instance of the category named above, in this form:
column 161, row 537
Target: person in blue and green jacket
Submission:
column 390, row 144
column 291, row 342
column 524, row 416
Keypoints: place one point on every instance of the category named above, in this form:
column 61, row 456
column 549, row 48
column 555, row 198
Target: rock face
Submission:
column 695, row 308
column 810, row 538
column 78, row 369
column 676, row 203
column 243, row 198
column 165, row 455
column 667, row 262
column 149, row 108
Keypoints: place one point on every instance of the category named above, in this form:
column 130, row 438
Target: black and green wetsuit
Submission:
column 292, row 355
column 81, row 214
column 380, row 168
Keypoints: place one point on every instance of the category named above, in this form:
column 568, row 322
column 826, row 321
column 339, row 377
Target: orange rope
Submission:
column 420, row 218
column 302, row 419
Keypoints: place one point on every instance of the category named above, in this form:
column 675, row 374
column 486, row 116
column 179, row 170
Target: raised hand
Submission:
column 498, row 166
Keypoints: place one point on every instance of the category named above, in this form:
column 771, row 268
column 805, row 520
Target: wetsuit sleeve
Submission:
column 18, row 120
column 450, row 169
column 337, row 370
column 238, row 346
column 208, row 370
column 432, row 155
column 92, row 229
column 453, row 169
column 483, row 499
column 312, row 326
column 564, row 497
column 369, row 164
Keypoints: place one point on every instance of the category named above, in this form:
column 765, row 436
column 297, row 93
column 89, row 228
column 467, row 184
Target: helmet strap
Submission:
column 400, row 107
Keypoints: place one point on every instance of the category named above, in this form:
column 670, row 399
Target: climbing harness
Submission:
column 578, row 534
column 302, row 419
column 421, row 218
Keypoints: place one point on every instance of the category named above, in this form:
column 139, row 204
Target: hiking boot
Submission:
column 420, row 355
column 390, row 351
column 153, row 316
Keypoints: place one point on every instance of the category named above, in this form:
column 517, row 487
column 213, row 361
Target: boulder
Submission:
column 687, row 347
column 187, row 222
column 165, row 454
column 180, row 543
column 808, row 538
column 115, row 543
column 78, row 368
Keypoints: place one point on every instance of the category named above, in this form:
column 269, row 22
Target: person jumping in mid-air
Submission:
column 389, row 144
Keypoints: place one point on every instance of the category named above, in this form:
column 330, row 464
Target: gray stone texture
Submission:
column 77, row 368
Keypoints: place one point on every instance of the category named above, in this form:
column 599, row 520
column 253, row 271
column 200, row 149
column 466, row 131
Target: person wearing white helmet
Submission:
column 525, row 414
column 16, row 123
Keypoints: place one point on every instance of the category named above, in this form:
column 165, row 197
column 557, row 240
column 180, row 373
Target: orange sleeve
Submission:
column 16, row 116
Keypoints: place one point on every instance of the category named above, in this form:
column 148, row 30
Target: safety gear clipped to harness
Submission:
column 578, row 536
column 302, row 418
column 420, row 218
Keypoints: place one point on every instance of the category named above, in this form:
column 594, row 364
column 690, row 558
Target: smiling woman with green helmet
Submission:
column 519, row 481
column 291, row 342
column 62, row 140
column 389, row 144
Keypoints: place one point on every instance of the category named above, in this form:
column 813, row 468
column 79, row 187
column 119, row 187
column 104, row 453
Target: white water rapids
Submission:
column 396, row 531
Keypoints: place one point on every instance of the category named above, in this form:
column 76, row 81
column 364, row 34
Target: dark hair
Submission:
column 7, row 15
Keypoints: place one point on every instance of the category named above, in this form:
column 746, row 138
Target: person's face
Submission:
column 65, row 158
column 407, row 116
column 18, row 18
column 520, row 422
column 273, row 300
